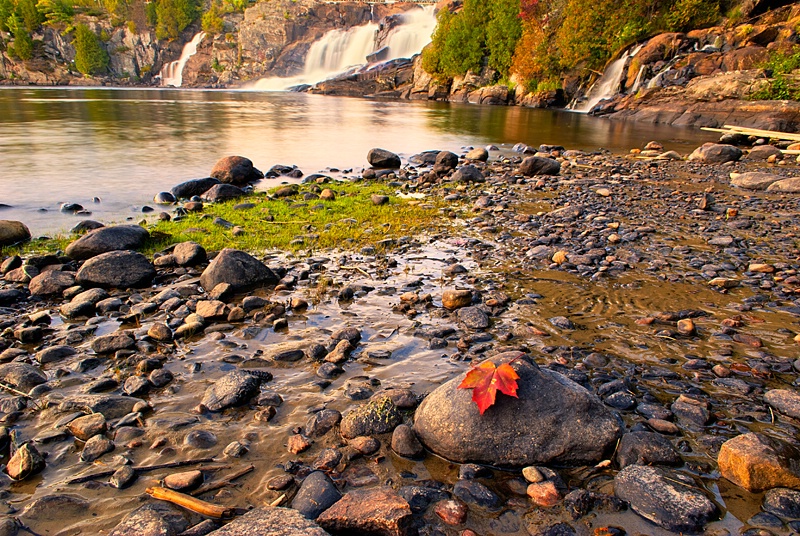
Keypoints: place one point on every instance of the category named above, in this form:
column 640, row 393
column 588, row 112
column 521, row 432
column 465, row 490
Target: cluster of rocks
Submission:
column 110, row 356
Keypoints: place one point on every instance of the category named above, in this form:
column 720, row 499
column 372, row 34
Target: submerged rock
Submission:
column 563, row 423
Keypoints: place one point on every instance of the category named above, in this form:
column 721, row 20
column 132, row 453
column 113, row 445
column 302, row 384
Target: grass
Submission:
column 348, row 222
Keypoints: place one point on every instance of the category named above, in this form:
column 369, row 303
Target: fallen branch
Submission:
column 357, row 269
column 221, row 483
column 191, row 503
column 12, row 390
column 140, row 469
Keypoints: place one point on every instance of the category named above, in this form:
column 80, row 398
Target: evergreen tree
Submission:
column 23, row 44
column 173, row 16
column 90, row 56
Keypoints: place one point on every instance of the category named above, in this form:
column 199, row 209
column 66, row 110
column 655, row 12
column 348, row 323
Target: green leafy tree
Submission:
column 23, row 43
column 90, row 56
column 56, row 11
column 173, row 16
column 502, row 33
column 6, row 10
column 30, row 15
column 212, row 22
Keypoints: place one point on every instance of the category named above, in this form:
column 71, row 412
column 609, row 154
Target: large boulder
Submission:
column 537, row 165
column 237, row 268
column 22, row 376
column 105, row 239
column 716, row 153
column 753, row 180
column 188, row 189
column 13, row 232
column 235, row 170
column 51, row 282
column 383, row 159
column 760, row 153
column 554, row 421
column 369, row 511
column 116, row 269
column 785, row 186
column 669, row 500
column 757, row 462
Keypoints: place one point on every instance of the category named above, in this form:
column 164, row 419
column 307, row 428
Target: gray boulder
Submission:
column 785, row 186
column 383, row 159
column 664, row 499
column 233, row 389
column 468, row 173
column 117, row 269
column 317, row 493
column 189, row 254
column 194, row 187
column 562, row 423
column 716, row 153
column 105, row 239
column 235, row 170
column 270, row 521
column 21, row 376
column 13, row 232
column 445, row 161
column 785, row 401
column 51, row 282
column 646, row 448
column 237, row 268
column 222, row 192
column 537, row 165
column 753, row 180
column 760, row 153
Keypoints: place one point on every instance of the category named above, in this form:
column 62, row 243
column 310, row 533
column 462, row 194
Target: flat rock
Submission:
column 753, row 180
column 270, row 521
column 782, row 502
column 238, row 269
column 105, row 239
column 646, row 448
column 473, row 318
column 757, row 462
column 564, row 424
column 376, row 511
column 785, row 401
column 13, row 232
column 111, row 406
column 21, row 376
column 378, row 416
column 53, row 354
column 55, row 507
column 234, row 389
column 785, row 186
column 317, row 493
column 116, row 269
column 107, row 344
column 661, row 498
column 716, row 153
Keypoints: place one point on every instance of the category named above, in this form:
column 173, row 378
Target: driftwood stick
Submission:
column 12, row 390
column 224, row 481
column 139, row 469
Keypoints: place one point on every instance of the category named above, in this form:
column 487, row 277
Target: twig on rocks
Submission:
column 221, row 483
column 12, row 390
column 140, row 469
column 278, row 501
column 356, row 268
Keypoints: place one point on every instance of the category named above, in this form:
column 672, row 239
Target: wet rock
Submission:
column 317, row 493
column 322, row 422
column 782, row 502
column 757, row 462
column 111, row 406
column 661, row 498
column 716, row 153
column 194, row 187
column 562, row 322
column 271, row 521
column 106, row 239
column 211, row 309
column 164, row 198
column 55, row 507
column 405, row 443
column 298, row 443
column 235, row 170
column 785, row 186
column 544, row 494
column 88, row 426
column 760, row 153
column 21, row 376
column 383, row 159
column 327, row 460
column 51, row 283
column 565, row 424
column 53, row 354
column 445, row 161
column 200, row 439
column 452, row 512
column 352, row 335
column 378, row 416
column 785, row 401
column 753, row 180
column 117, row 269
column 10, row 297
column 420, row 497
column 580, row 502
column 691, row 410
column 646, row 448
column 123, row 477
column 95, row 447
column 479, row 154
column 222, row 192
column 25, row 462
column 473, row 492
column 473, row 318
column 377, row 511
column 160, row 332
column 537, row 165
column 189, row 254
column 13, row 232
column 238, row 269
column 365, row 445
column 113, row 342
column 136, row 385
column 185, row 481
column 234, row 389
column 468, row 173
column 156, row 519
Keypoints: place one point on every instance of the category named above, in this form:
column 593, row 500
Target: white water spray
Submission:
column 607, row 85
column 172, row 73
column 340, row 51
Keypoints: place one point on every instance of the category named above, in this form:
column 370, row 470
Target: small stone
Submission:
column 317, row 493
column 757, row 462
column 686, row 326
column 451, row 511
column 454, row 299
column 405, row 442
column 95, row 447
column 25, row 462
column 298, row 443
column 123, row 477
column 543, row 494
column 365, row 445
column 185, row 481
column 532, row 474
column 88, row 426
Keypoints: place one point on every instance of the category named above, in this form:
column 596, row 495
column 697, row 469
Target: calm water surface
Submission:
column 123, row 146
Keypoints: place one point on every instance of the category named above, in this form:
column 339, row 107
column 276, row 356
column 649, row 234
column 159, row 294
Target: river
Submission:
column 122, row 146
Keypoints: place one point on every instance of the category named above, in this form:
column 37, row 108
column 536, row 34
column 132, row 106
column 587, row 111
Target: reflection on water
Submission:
column 123, row 146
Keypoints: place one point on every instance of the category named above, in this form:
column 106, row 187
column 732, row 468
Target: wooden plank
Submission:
column 765, row 133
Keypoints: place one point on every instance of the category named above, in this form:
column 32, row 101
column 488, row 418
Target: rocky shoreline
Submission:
column 648, row 304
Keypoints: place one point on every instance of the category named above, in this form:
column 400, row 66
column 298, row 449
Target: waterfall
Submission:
column 607, row 85
column 172, row 73
column 340, row 51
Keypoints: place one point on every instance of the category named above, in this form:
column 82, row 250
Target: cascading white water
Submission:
column 607, row 85
column 341, row 50
column 172, row 73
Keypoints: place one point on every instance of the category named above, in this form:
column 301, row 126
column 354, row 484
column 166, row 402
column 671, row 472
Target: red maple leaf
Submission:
column 486, row 379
